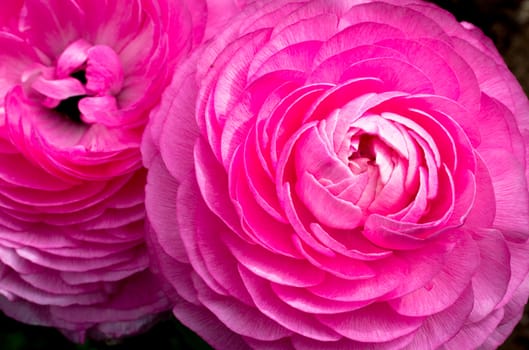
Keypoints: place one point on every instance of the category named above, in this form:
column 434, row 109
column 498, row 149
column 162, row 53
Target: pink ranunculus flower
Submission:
column 349, row 175
column 77, row 82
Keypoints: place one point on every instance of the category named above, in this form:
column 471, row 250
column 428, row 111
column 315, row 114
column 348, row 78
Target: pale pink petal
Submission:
column 286, row 316
column 374, row 323
column 205, row 324
column 237, row 316
column 445, row 288
column 438, row 329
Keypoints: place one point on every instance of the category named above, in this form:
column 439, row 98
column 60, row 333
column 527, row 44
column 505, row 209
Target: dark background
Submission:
column 506, row 22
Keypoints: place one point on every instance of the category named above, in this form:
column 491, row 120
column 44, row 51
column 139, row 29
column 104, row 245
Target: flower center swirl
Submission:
column 67, row 118
column 83, row 85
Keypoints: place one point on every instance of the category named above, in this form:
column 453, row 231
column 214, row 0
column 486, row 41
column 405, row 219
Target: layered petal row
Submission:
column 78, row 80
column 342, row 175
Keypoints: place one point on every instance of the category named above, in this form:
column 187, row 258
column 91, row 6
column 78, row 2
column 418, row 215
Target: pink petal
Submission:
column 10, row 13
column 72, row 58
column 305, row 301
column 374, row 323
column 472, row 335
column 337, row 265
column 207, row 326
column 416, row 25
column 439, row 328
column 495, row 264
column 59, row 89
column 52, row 26
column 430, row 63
column 297, row 43
column 395, row 73
column 270, row 266
column 295, row 320
column 16, row 56
column 101, row 110
column 103, row 70
column 187, row 207
column 242, row 319
column 445, row 288
column 356, row 35
column 257, row 224
column 386, row 280
column 214, row 187
column 161, row 208
column 328, row 210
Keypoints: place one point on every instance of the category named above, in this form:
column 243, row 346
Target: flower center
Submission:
column 83, row 85
column 69, row 107
column 363, row 154
column 80, row 75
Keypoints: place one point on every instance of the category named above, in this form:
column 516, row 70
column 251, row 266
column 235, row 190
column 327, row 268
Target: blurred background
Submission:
column 505, row 21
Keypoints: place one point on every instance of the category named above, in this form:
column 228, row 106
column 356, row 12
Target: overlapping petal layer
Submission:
column 349, row 175
column 77, row 82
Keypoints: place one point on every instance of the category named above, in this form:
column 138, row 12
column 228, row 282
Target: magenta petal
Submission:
column 336, row 264
column 258, row 226
column 103, row 71
column 513, row 313
column 290, row 318
column 519, row 270
column 391, row 72
column 429, row 62
column 179, row 276
column 417, row 24
column 10, row 13
column 59, row 89
column 215, row 194
column 357, row 35
column 162, row 218
column 495, row 263
column 302, row 343
column 510, row 218
column 30, row 176
column 441, row 327
column 148, row 296
column 374, row 323
column 329, row 210
column 269, row 266
column 259, row 183
column 282, row 344
column 348, row 174
column 445, row 288
column 72, row 184
column 52, row 25
column 187, row 206
column 16, row 56
column 294, row 47
column 305, row 301
column 205, row 324
column 364, row 289
column 102, row 110
column 472, row 335
column 242, row 319
column 177, row 134
column 72, row 59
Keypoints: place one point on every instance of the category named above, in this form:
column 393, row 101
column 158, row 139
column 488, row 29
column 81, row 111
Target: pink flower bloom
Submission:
column 350, row 175
column 77, row 82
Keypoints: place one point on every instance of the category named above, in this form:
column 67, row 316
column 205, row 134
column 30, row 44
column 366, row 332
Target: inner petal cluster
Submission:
column 83, row 85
